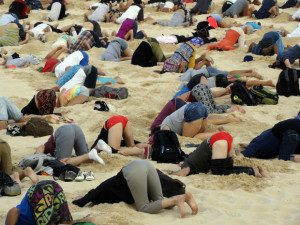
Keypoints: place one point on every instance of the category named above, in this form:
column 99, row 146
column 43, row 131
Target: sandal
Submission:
column 101, row 106
column 65, row 119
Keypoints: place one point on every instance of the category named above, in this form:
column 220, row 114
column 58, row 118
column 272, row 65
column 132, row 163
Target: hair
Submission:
column 278, row 64
column 154, row 130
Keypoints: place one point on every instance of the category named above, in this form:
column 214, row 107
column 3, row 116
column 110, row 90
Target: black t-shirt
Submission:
column 31, row 108
column 142, row 55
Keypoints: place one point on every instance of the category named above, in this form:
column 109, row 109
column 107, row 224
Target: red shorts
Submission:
column 222, row 136
column 114, row 120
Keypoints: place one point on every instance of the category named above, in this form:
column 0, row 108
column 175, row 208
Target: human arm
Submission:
column 125, row 58
column 26, row 64
column 61, row 98
column 12, row 216
column 40, row 149
column 26, row 40
column 288, row 64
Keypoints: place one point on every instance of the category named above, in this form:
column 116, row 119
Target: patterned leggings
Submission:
column 203, row 94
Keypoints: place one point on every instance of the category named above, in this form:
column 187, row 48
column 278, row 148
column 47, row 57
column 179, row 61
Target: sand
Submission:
column 234, row 199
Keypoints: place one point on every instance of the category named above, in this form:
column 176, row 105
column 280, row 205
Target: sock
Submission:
column 103, row 146
column 94, row 156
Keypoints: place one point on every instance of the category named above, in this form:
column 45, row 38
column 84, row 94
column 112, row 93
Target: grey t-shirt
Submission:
column 187, row 76
column 211, row 82
column 175, row 121
column 19, row 62
column 112, row 53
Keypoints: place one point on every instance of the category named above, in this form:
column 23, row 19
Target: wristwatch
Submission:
column 170, row 172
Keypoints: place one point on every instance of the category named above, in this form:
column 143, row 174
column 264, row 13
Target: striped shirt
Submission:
column 10, row 37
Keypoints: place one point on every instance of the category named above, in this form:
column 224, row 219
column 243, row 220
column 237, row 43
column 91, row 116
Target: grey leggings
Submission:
column 203, row 94
column 67, row 137
column 143, row 180
column 177, row 20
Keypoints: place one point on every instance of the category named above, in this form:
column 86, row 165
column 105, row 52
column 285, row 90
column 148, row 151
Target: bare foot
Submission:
column 238, row 108
column 237, row 152
column 271, row 83
column 51, row 119
column 191, row 202
column 15, row 177
column 31, row 174
column 297, row 158
column 221, row 129
column 258, row 76
column 180, row 204
column 262, row 172
column 122, row 152
column 243, row 145
column 256, row 172
column 234, row 118
column 119, row 80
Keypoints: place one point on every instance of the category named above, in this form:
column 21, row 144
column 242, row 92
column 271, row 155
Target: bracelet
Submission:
column 171, row 172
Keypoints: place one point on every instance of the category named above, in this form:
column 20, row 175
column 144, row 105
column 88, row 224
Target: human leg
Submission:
column 138, row 175
column 217, row 120
column 260, row 82
column 64, row 139
column 289, row 142
column 5, row 157
column 80, row 145
column 12, row 110
column 86, row 158
column 56, row 52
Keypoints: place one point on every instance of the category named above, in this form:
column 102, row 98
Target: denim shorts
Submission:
column 195, row 111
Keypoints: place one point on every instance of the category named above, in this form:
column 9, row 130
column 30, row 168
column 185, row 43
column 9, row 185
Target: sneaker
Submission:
column 147, row 152
column 13, row 130
column 70, row 176
column 89, row 176
column 80, row 176
column 12, row 190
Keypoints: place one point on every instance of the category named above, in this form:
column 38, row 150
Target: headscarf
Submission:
column 46, row 100
column 49, row 65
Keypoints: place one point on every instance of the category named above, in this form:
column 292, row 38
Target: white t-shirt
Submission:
column 167, row 39
column 39, row 29
column 130, row 13
column 77, row 80
column 71, row 60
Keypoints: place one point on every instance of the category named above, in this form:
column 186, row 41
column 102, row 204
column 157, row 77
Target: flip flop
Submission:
column 65, row 119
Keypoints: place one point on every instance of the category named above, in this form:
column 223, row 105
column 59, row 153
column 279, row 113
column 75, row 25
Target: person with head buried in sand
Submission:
column 137, row 182
column 215, row 154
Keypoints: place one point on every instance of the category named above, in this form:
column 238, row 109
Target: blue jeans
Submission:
column 195, row 111
column 137, row 35
column 212, row 71
column 9, row 110
column 289, row 142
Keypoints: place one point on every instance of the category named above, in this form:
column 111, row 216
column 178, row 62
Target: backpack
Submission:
column 241, row 95
column 166, row 147
column 264, row 95
column 170, row 187
column 37, row 127
column 36, row 162
column 109, row 92
column 288, row 82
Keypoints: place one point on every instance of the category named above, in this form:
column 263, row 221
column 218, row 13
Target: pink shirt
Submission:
column 126, row 26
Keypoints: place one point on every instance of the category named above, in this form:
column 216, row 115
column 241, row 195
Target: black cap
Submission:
column 204, row 24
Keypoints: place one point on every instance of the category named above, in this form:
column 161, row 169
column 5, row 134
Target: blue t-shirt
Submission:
column 264, row 146
column 26, row 215
column 292, row 54
column 254, row 25
column 68, row 75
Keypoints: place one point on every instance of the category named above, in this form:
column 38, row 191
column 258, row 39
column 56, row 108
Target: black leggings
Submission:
column 104, row 136
column 113, row 190
column 91, row 78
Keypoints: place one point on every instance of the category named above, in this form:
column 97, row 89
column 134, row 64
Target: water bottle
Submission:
column 237, row 99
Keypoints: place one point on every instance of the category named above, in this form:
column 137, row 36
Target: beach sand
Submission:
column 234, row 199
